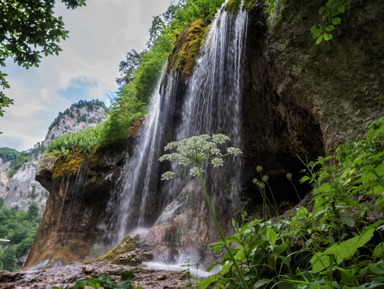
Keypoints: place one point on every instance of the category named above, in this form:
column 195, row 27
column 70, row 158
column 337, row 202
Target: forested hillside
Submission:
column 19, row 228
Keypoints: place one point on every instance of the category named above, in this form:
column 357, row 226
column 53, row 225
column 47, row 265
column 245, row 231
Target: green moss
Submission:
column 232, row 6
column 67, row 166
column 126, row 245
column 170, row 236
column 187, row 47
column 134, row 130
column 94, row 156
column 249, row 4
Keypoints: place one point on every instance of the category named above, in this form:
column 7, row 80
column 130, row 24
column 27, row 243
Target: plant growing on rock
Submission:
column 106, row 282
column 192, row 153
column 337, row 244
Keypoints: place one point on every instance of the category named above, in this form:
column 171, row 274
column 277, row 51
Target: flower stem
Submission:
column 245, row 285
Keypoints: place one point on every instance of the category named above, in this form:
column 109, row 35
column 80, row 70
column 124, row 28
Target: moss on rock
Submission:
column 232, row 6
column 186, row 48
column 249, row 4
column 94, row 155
column 67, row 166
column 128, row 244
column 134, row 130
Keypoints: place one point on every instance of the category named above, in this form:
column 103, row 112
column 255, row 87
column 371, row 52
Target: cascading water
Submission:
column 210, row 104
column 141, row 174
column 213, row 102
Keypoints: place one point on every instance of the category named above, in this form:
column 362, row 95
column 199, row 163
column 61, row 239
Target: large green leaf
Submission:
column 271, row 235
column 378, row 252
column 341, row 252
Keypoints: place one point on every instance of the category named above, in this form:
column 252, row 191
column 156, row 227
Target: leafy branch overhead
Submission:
column 330, row 13
column 29, row 30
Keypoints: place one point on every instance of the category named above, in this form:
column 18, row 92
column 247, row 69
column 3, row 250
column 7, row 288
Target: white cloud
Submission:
column 101, row 34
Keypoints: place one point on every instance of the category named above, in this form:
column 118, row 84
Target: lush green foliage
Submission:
column 20, row 228
column 29, row 30
column 16, row 159
column 9, row 259
column 140, row 72
column 106, row 282
column 339, row 244
column 85, row 140
column 190, row 280
column 330, row 16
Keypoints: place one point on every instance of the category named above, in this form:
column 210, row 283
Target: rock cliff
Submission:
column 303, row 99
column 79, row 189
column 21, row 188
column 298, row 99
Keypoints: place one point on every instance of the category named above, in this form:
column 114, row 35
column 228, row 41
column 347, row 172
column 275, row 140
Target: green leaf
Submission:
column 218, row 246
column 347, row 275
column 210, row 267
column 271, row 235
column 348, row 220
column 315, row 31
column 328, row 36
column 378, row 252
column 279, row 249
column 342, row 251
column 127, row 276
column 378, row 270
column 304, row 179
column 321, row 10
column 336, row 20
column 235, row 225
column 341, row 9
column 318, row 41
column 261, row 283
column 329, row 27
column 206, row 282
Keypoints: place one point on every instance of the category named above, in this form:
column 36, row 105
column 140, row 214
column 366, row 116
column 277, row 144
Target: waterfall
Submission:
column 211, row 103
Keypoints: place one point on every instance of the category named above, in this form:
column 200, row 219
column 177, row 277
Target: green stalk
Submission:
column 297, row 193
column 245, row 285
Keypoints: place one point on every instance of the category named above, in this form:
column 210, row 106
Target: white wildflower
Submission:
column 167, row 175
column 217, row 162
column 233, row 151
column 194, row 172
column 197, row 151
column 219, row 138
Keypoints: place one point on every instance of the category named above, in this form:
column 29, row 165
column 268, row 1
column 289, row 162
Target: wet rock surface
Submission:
column 75, row 205
column 68, row 275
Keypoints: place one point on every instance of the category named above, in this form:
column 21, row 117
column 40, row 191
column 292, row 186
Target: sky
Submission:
column 100, row 35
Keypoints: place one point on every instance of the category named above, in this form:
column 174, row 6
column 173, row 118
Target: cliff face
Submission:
column 79, row 189
column 21, row 189
column 302, row 99
column 298, row 100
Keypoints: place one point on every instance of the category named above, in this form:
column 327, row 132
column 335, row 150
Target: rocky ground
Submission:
column 67, row 276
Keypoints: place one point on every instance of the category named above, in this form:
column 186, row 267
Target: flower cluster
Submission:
column 194, row 150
